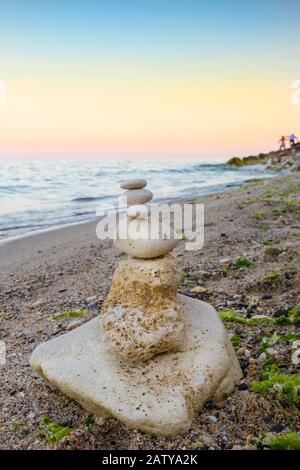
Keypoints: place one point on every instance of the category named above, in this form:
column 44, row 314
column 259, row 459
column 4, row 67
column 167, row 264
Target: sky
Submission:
column 151, row 78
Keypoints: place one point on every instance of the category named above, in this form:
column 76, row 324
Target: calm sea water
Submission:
column 41, row 194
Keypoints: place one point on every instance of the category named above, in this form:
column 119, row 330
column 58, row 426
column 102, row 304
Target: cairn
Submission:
column 153, row 357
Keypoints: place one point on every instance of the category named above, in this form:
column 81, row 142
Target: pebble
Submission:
column 225, row 260
column 281, row 312
column 92, row 304
column 272, row 352
column 200, row 290
column 243, row 386
column 296, row 357
column 241, row 351
column 252, row 360
column 266, row 295
column 91, row 299
column 213, row 419
column 134, row 184
column 262, row 358
column 138, row 196
column 260, row 317
column 247, row 353
column 279, row 427
column 220, row 290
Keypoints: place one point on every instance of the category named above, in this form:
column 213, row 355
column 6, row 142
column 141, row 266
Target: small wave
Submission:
column 77, row 214
column 20, row 227
column 90, row 198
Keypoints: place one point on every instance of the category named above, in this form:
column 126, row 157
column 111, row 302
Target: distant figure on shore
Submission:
column 293, row 140
column 282, row 143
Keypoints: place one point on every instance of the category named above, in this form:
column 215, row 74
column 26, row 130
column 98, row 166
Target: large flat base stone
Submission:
column 161, row 396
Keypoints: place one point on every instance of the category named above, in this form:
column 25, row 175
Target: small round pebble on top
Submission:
column 138, row 183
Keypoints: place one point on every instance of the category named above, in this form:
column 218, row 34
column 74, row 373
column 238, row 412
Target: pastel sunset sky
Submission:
column 147, row 78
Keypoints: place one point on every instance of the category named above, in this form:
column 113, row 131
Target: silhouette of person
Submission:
column 282, row 143
column 293, row 140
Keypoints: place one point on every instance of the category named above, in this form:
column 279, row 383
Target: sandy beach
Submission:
column 69, row 269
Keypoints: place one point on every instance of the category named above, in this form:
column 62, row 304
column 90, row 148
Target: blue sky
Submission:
column 237, row 45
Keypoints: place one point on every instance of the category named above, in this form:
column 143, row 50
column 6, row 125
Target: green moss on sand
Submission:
column 242, row 263
column 259, row 215
column 273, row 278
column 280, row 386
column 69, row 314
column 236, row 341
column 51, row 432
column 231, row 316
column 287, row 441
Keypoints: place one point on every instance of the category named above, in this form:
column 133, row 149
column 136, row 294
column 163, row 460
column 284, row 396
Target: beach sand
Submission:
column 70, row 269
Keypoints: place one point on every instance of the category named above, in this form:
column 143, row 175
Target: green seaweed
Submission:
column 51, row 432
column 268, row 342
column 231, row 316
column 294, row 233
column 277, row 211
column 69, row 314
column 268, row 194
column 293, row 318
column 242, row 263
column 281, row 386
column 259, row 215
column 20, row 430
column 291, row 191
column 272, row 278
column 288, row 337
column 287, row 441
column 183, row 277
column 236, row 340
column 89, row 420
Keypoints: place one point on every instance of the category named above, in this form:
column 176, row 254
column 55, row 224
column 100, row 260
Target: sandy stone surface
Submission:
column 141, row 315
column 70, row 269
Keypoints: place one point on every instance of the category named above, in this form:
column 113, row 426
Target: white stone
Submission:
column 296, row 357
column 162, row 396
column 140, row 211
column 143, row 238
column 137, row 196
column 137, row 183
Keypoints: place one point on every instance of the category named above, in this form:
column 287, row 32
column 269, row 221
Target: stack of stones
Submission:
column 141, row 315
column 150, row 240
column 112, row 365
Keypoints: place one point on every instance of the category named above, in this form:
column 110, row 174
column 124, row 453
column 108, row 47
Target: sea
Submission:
column 38, row 195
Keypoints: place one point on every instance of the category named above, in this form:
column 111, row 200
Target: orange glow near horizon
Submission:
column 182, row 117
column 147, row 79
